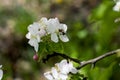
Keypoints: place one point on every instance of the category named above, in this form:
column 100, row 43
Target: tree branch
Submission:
column 67, row 57
column 62, row 55
column 83, row 63
column 93, row 61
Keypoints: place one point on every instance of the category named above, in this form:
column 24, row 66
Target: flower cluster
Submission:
column 1, row 72
column 45, row 27
column 117, row 6
column 61, row 71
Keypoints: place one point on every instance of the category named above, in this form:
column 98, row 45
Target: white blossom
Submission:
column 65, row 67
column 1, row 72
column 72, row 69
column 36, row 31
column 56, row 29
column 117, row 6
column 45, row 27
column 54, row 74
column 33, row 35
column 62, row 32
column 57, row 75
column 61, row 71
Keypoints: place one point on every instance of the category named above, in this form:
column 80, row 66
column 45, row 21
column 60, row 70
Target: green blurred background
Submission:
column 91, row 30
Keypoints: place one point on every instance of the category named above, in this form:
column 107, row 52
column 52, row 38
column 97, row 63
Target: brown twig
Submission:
column 83, row 63
column 93, row 61
column 62, row 55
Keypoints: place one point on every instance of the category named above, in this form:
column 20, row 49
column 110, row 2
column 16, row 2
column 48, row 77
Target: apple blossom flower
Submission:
column 36, row 31
column 1, row 72
column 58, row 75
column 65, row 67
column 33, row 35
column 46, row 27
column 54, row 74
column 56, row 29
column 61, row 71
column 62, row 32
column 117, row 6
column 53, row 29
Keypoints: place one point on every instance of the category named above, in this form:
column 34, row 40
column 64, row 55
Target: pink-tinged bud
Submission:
column 35, row 57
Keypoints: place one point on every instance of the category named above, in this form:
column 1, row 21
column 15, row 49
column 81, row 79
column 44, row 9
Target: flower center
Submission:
column 33, row 36
column 62, row 32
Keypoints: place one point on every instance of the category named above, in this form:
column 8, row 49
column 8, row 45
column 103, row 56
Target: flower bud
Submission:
column 35, row 57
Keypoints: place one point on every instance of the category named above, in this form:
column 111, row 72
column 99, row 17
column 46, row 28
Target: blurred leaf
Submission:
column 101, row 73
column 23, row 19
column 82, row 34
column 118, row 54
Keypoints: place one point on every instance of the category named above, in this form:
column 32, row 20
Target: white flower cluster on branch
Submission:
column 61, row 71
column 117, row 6
column 45, row 27
column 1, row 72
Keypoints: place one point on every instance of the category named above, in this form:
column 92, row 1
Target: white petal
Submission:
column 117, row 6
column 34, row 43
column 28, row 35
column 63, row 27
column 44, row 19
column 72, row 69
column 63, row 76
column 64, row 38
column 50, row 29
column 36, row 47
column 38, row 38
column 54, row 37
column 48, row 76
column 63, row 63
column 31, row 29
column 54, row 73
column 52, row 25
column 55, row 21
column 1, row 74
column 43, row 22
column 34, row 28
column 63, row 67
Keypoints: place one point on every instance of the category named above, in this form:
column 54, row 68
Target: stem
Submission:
column 93, row 61
column 62, row 55
column 83, row 63
column 67, row 57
